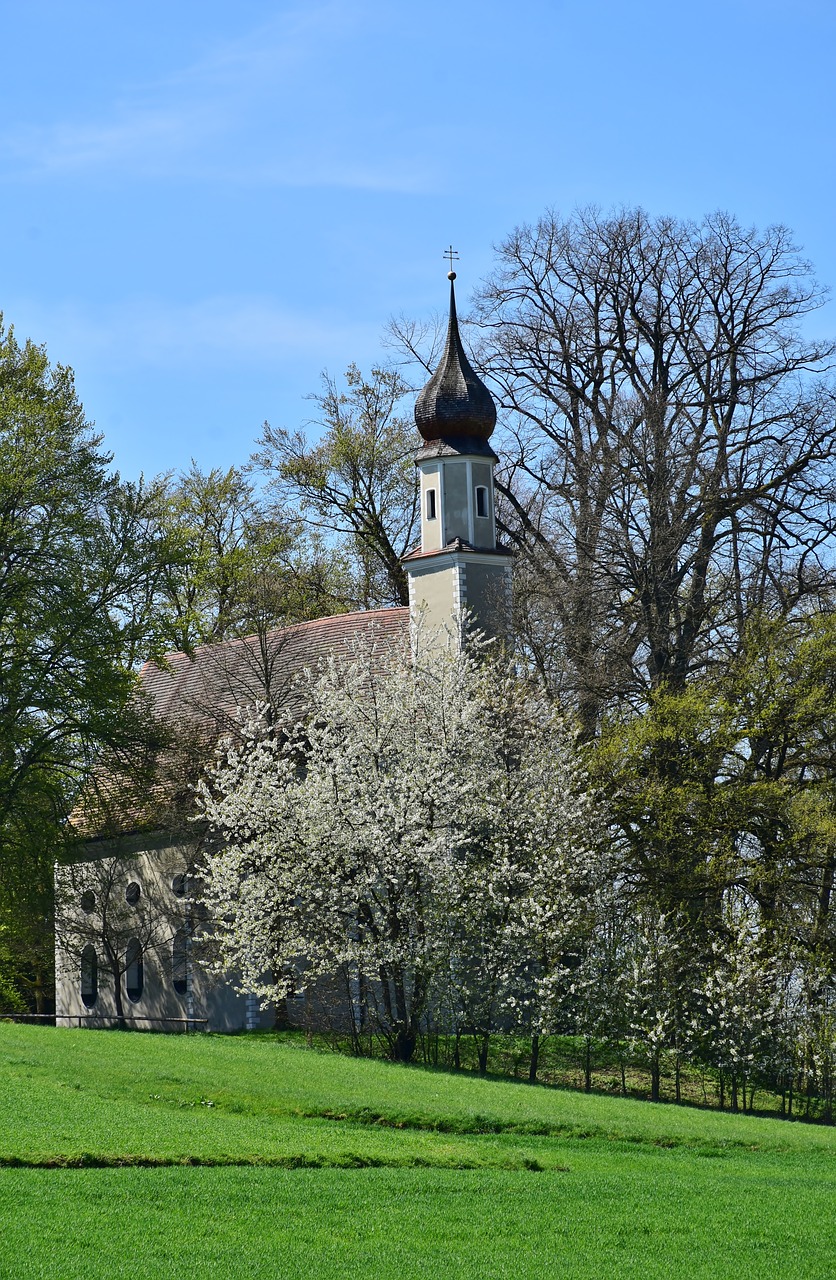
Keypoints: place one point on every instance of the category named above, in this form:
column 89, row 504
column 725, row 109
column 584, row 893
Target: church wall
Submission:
column 435, row 602
column 484, row 534
column 430, row 529
column 456, row 517
column 210, row 1003
column 487, row 596
column 155, row 922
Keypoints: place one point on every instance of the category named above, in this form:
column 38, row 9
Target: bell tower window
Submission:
column 482, row 501
column 431, row 504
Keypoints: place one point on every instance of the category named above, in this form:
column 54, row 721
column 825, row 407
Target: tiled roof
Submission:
column 207, row 687
column 196, row 697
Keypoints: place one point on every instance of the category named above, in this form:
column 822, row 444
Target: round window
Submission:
column 178, row 885
column 132, row 894
column 88, row 901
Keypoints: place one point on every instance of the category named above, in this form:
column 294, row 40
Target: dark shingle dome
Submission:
column 455, row 405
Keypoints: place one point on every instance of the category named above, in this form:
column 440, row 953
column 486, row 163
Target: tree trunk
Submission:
column 403, row 1045
column 827, row 1091
column 534, row 1059
column 824, row 896
column 39, row 990
column 587, row 1066
column 116, row 972
column 117, row 997
column 482, row 1046
column 654, row 1078
column 353, row 1031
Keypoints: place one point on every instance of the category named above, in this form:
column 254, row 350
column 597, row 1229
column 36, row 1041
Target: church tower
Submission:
column 459, row 574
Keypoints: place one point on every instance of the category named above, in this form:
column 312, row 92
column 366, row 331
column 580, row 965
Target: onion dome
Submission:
column 455, row 405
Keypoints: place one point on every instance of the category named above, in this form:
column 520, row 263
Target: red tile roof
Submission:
column 196, row 698
column 209, row 685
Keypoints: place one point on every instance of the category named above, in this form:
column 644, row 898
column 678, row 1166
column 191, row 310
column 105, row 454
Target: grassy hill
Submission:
column 124, row 1154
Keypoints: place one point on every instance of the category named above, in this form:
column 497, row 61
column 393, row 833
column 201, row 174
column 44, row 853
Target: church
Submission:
column 125, row 912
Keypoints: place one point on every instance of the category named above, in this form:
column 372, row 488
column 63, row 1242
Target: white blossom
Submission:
column 428, row 829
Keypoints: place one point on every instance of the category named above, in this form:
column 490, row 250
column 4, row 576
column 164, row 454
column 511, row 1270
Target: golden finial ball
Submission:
column 451, row 275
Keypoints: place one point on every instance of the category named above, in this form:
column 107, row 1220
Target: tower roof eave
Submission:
column 455, row 447
column 457, row 546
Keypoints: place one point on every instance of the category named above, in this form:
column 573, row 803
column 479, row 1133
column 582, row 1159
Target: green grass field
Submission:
column 146, row 1156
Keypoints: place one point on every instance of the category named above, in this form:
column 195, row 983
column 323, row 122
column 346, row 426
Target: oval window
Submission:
column 134, row 976
column 132, row 894
column 178, row 885
column 88, row 901
column 89, row 976
column 180, row 962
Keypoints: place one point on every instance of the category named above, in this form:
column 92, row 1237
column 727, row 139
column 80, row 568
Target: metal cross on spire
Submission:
column 450, row 254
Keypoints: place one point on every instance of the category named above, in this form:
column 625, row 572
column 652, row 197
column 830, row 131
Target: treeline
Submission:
column 99, row 574
column 426, row 858
column 667, row 448
column 655, row 1010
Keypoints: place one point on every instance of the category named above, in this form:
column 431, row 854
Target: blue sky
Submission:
column 203, row 205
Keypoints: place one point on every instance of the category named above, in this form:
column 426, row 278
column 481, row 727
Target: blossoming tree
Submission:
column 425, row 836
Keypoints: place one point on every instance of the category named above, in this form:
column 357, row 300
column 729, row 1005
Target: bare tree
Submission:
column 669, row 436
column 668, row 445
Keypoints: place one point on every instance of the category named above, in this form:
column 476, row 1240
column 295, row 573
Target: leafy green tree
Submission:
column 81, row 557
column 358, row 480
column 680, row 818
column 241, row 565
column 11, row 979
column 781, row 699
column 731, row 783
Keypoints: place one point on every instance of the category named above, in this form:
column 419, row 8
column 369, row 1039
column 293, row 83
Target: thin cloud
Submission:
column 219, row 331
column 142, row 139
column 208, row 122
